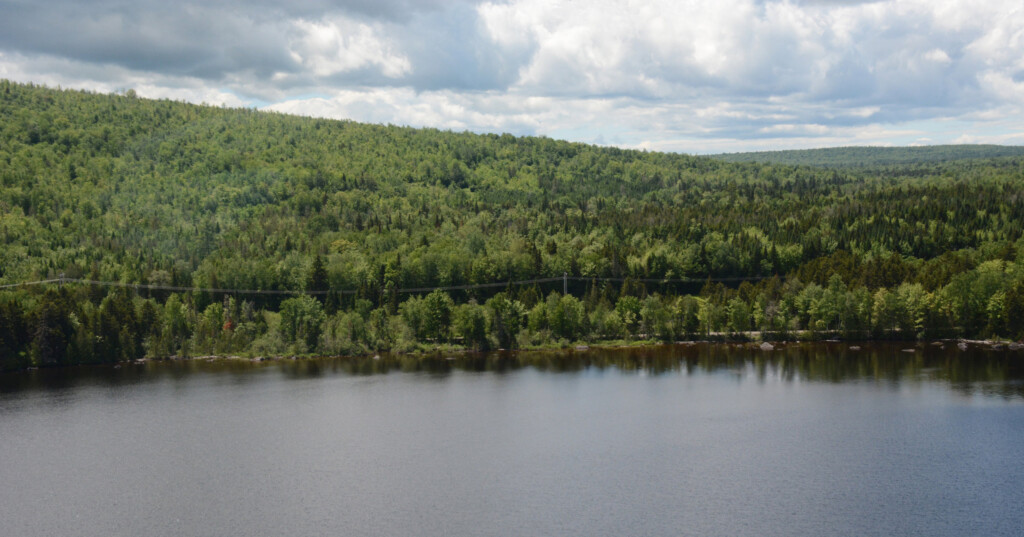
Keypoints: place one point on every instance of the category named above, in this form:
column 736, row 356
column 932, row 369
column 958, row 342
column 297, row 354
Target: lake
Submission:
column 705, row 439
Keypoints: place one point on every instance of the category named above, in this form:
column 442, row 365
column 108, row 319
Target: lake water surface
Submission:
column 678, row 440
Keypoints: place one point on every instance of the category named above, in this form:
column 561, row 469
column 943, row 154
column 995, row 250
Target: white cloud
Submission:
column 881, row 52
column 481, row 112
column 328, row 47
column 196, row 94
column 937, row 56
column 624, row 121
column 658, row 47
column 56, row 72
column 1016, row 138
column 1003, row 86
column 693, row 74
column 683, row 75
column 802, row 129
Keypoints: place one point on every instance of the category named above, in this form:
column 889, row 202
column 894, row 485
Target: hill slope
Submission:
column 120, row 189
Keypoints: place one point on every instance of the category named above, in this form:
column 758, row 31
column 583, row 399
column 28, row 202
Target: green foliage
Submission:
column 1013, row 310
column 13, row 336
column 896, row 242
column 739, row 315
column 470, row 322
column 437, row 315
column 318, row 275
column 302, row 320
column 876, row 156
column 565, row 316
column 628, row 310
column 176, row 328
column 657, row 318
column 51, row 327
column 507, row 318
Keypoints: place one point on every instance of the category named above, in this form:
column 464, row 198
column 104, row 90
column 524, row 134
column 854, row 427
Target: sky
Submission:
column 691, row 76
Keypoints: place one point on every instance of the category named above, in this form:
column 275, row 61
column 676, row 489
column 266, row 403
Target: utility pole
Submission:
column 565, row 283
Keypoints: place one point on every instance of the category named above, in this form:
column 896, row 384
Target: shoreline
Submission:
column 963, row 344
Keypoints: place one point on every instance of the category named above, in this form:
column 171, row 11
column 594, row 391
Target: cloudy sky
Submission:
column 695, row 76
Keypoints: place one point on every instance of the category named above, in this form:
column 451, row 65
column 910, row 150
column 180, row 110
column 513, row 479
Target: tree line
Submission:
column 78, row 325
column 877, row 157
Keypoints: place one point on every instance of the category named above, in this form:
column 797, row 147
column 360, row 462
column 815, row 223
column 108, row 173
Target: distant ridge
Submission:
column 861, row 156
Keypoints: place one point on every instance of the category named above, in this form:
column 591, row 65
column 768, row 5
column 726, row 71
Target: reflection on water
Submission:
column 976, row 370
column 704, row 439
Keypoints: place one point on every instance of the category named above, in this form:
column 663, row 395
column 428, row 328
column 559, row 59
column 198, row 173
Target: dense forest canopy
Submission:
column 847, row 157
column 121, row 189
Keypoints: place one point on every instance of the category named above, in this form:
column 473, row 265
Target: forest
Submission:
column 876, row 157
column 249, row 233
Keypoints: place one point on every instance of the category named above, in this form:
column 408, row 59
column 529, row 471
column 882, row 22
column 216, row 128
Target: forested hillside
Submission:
column 116, row 188
column 847, row 157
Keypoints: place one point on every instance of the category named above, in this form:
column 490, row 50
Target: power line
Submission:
column 476, row 285
column 154, row 287
column 674, row 280
column 564, row 279
column 26, row 284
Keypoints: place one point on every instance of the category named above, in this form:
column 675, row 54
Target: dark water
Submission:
column 700, row 440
